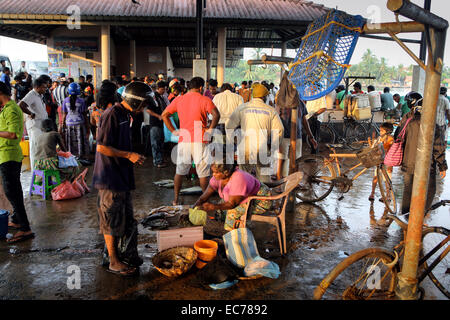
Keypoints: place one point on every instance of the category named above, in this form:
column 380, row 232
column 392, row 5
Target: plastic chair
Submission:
column 275, row 217
column 50, row 180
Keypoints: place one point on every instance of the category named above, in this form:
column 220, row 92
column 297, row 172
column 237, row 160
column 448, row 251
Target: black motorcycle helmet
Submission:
column 413, row 99
column 137, row 95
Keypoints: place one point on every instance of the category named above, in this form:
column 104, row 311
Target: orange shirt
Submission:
column 192, row 109
column 245, row 94
column 388, row 142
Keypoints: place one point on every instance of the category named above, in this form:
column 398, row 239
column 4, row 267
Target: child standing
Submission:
column 387, row 140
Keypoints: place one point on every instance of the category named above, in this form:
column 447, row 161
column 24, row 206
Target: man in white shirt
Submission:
column 226, row 102
column 260, row 125
column 442, row 114
column 374, row 98
column 33, row 105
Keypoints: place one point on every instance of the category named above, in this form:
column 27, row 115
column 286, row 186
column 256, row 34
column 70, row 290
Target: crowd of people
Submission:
column 236, row 137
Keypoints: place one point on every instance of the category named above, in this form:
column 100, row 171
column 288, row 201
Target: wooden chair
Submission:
column 276, row 215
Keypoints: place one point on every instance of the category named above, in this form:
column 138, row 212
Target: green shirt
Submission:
column 11, row 120
column 404, row 106
column 340, row 97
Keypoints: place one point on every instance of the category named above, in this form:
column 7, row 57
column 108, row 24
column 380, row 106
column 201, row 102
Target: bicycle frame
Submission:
column 334, row 159
column 399, row 249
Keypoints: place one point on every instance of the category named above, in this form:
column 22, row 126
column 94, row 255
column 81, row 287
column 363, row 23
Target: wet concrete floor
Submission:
column 319, row 237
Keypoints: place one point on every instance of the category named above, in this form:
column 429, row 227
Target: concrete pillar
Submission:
column 132, row 59
column 283, row 49
column 418, row 81
column 283, row 54
column 106, row 51
column 208, row 59
column 221, row 55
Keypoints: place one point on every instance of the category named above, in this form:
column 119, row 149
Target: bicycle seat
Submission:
column 334, row 145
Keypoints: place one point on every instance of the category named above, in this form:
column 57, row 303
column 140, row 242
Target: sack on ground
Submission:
column 261, row 266
column 240, row 246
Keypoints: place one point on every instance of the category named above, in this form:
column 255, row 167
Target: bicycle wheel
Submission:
column 326, row 135
column 386, row 189
column 372, row 131
column 356, row 136
column 317, row 181
column 364, row 275
column 438, row 238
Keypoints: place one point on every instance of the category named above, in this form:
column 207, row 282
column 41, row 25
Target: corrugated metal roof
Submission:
column 293, row 10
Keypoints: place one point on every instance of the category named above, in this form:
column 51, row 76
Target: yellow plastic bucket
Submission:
column 25, row 145
column 207, row 250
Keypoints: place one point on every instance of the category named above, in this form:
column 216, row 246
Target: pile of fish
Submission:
column 163, row 217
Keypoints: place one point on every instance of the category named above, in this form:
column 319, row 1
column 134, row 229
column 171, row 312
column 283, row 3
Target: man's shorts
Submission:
column 284, row 149
column 196, row 152
column 115, row 212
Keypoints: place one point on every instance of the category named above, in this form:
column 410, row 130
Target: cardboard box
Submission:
column 362, row 113
column 185, row 237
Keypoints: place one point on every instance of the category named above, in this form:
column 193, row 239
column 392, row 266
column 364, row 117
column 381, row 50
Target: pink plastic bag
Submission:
column 65, row 191
column 394, row 157
column 80, row 181
column 71, row 190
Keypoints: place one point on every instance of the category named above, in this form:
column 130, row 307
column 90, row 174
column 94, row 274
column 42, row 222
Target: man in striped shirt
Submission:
column 442, row 114
column 60, row 93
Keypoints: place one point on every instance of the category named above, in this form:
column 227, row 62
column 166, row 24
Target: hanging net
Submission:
column 325, row 53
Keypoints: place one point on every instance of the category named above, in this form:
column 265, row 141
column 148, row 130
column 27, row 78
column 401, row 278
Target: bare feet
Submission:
column 119, row 266
column 21, row 236
column 13, row 225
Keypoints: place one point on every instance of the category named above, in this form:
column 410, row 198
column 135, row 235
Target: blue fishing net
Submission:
column 325, row 53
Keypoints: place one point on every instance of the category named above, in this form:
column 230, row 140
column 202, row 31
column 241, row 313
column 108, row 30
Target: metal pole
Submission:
column 199, row 28
column 407, row 279
column 423, row 44
column 416, row 13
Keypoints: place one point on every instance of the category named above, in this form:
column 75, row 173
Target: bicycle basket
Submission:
column 324, row 54
column 371, row 157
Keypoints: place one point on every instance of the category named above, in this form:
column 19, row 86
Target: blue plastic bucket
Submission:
column 3, row 223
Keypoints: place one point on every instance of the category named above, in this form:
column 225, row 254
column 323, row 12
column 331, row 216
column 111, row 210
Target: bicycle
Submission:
column 376, row 268
column 371, row 127
column 322, row 174
column 353, row 133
